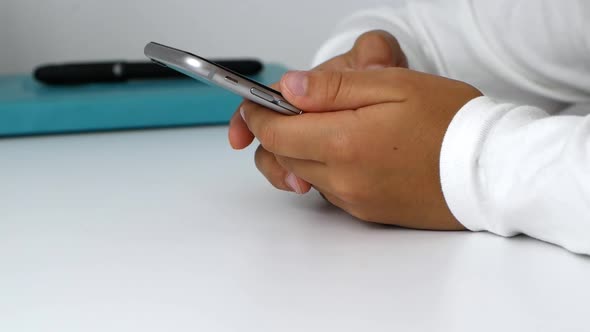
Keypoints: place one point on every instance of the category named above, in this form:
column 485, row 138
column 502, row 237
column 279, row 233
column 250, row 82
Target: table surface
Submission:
column 171, row 230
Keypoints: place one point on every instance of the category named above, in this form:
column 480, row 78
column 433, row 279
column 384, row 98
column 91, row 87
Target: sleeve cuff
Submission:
column 459, row 161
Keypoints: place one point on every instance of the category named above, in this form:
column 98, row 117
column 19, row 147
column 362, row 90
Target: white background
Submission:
column 40, row 31
column 173, row 231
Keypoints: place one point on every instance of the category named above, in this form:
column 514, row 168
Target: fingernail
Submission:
column 296, row 82
column 242, row 113
column 292, row 182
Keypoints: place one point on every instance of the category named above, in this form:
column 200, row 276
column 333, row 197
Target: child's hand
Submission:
column 372, row 50
column 377, row 157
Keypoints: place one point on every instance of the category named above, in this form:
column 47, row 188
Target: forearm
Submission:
column 504, row 168
column 514, row 169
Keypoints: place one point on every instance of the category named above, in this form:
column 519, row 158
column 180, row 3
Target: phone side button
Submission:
column 261, row 94
column 231, row 80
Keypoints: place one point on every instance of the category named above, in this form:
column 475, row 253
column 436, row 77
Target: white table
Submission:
column 171, row 230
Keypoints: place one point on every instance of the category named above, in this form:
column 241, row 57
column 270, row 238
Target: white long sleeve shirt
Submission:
column 510, row 163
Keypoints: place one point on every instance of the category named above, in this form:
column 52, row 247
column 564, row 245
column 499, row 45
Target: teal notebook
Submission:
column 30, row 108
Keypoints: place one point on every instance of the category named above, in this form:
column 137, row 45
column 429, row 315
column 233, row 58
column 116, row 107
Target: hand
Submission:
column 377, row 157
column 372, row 50
column 375, row 49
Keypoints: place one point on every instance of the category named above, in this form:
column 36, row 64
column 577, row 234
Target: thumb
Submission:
column 372, row 50
column 377, row 49
column 320, row 91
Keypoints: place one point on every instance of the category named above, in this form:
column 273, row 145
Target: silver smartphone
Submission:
column 210, row 72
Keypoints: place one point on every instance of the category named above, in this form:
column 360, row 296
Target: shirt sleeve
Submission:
column 508, row 165
column 395, row 20
column 512, row 169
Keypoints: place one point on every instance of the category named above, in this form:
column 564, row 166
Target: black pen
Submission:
column 120, row 71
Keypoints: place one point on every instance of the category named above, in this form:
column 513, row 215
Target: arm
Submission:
column 529, row 52
column 505, row 168
column 512, row 169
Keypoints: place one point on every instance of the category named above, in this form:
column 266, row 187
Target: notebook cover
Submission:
column 30, row 108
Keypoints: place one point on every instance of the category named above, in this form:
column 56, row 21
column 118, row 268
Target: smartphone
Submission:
column 210, row 72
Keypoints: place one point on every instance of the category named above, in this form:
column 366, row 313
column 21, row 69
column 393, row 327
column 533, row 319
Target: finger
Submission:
column 238, row 133
column 334, row 200
column 340, row 62
column 307, row 136
column 320, row 91
column 279, row 177
column 377, row 49
column 272, row 171
column 343, row 205
column 372, row 50
column 313, row 172
column 276, row 86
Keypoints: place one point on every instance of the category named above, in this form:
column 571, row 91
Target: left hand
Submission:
column 377, row 157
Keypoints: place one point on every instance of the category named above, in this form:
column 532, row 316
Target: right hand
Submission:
column 372, row 50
